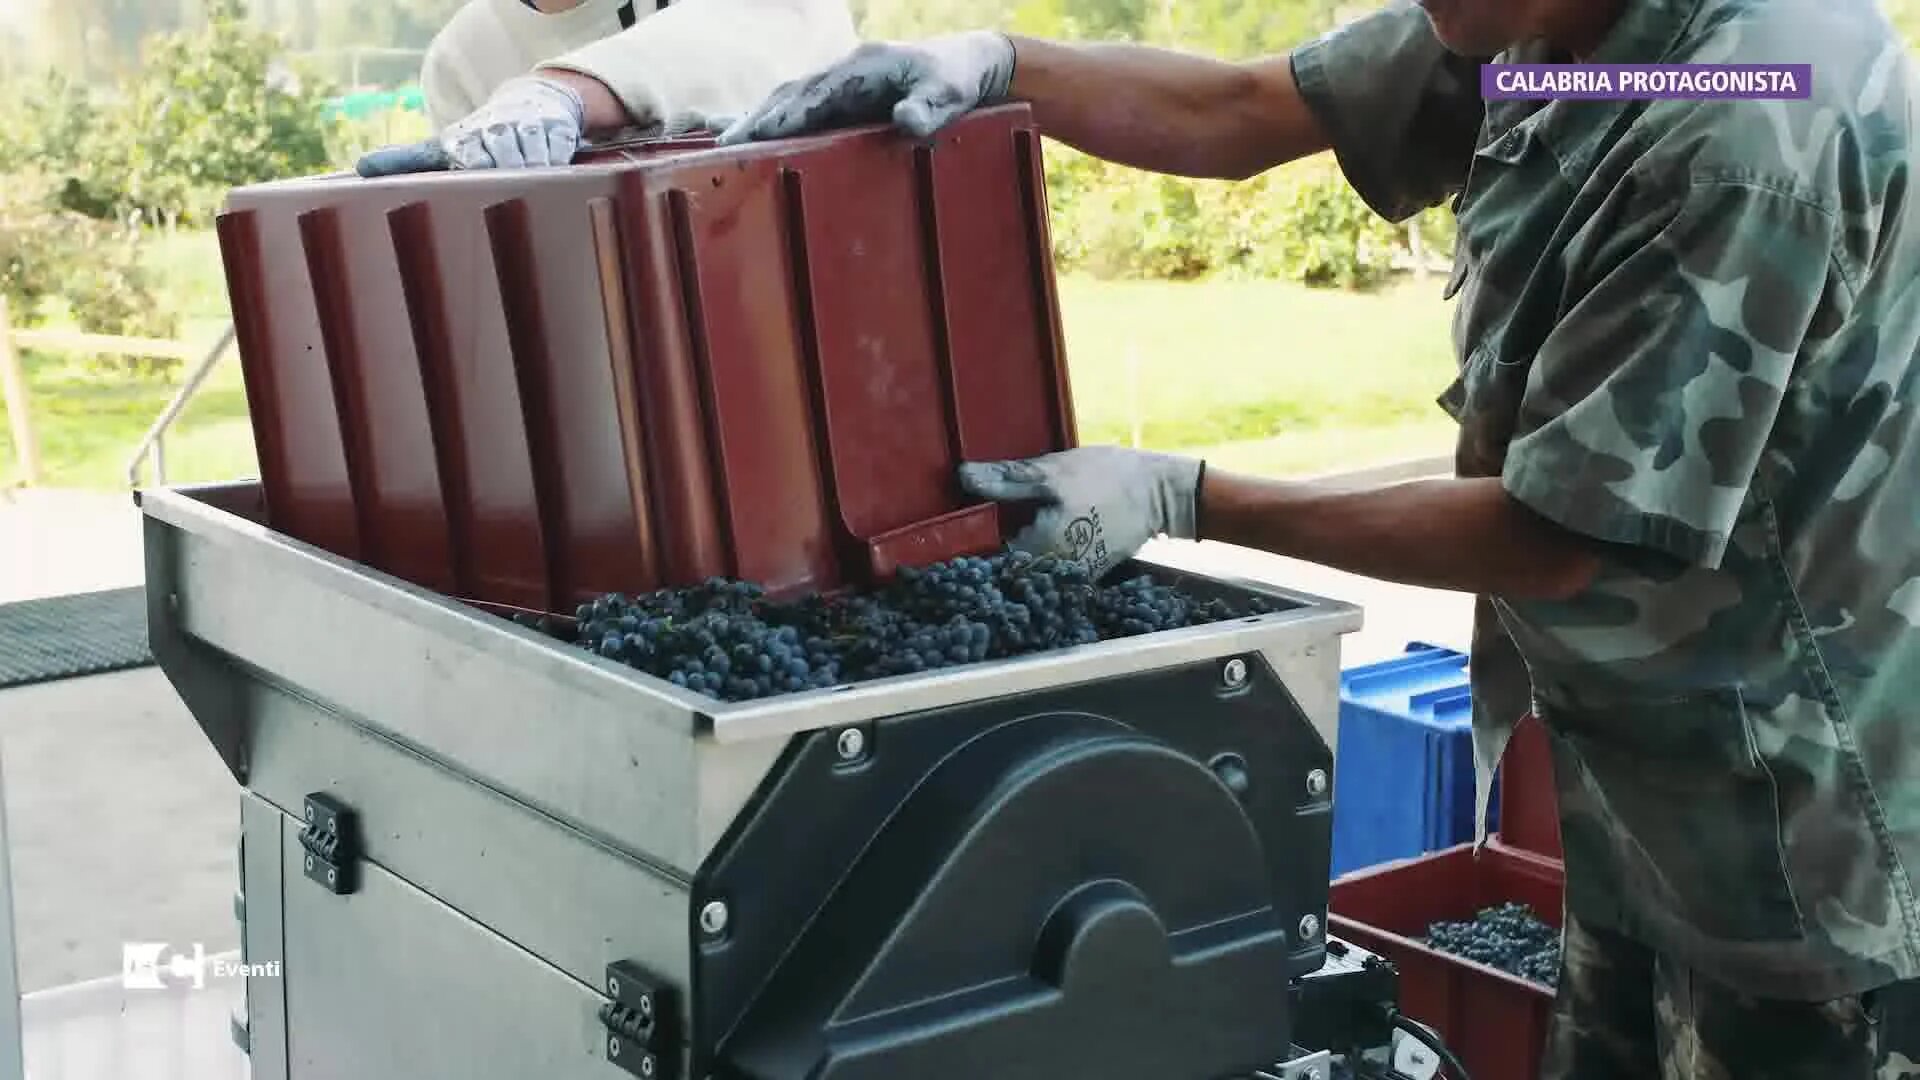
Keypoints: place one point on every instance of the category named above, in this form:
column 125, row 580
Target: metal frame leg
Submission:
column 12, row 1048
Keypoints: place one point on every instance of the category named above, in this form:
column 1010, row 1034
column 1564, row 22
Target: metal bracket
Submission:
column 237, row 1027
column 639, row 1021
column 331, row 838
column 1304, row 1066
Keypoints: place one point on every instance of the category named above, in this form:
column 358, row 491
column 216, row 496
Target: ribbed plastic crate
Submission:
column 1529, row 818
column 1496, row 1022
column 1403, row 779
column 669, row 362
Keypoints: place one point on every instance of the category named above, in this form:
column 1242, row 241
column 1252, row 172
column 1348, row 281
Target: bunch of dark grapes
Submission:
column 727, row 640
column 1509, row 937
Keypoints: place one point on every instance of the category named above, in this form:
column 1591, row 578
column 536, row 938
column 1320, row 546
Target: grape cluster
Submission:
column 1509, row 937
column 728, row 640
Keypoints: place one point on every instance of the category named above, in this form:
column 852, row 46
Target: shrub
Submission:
column 1300, row 222
column 52, row 256
column 208, row 110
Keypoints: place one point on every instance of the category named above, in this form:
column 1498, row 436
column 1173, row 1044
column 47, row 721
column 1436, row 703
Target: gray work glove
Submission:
column 1101, row 504
column 921, row 87
column 530, row 121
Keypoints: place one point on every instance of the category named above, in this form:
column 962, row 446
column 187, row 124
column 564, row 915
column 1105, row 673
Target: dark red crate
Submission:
column 1529, row 805
column 1495, row 1022
column 669, row 362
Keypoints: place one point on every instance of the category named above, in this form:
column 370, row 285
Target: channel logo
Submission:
column 146, row 965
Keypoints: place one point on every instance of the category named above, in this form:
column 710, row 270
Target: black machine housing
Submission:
column 1125, row 879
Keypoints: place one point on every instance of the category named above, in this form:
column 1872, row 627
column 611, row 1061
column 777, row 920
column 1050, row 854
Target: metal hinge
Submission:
column 332, row 840
column 639, row 1022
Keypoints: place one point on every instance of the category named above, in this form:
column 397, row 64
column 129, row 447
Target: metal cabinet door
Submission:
column 390, row 983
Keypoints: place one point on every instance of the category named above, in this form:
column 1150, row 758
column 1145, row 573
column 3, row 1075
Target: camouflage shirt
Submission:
column 1687, row 330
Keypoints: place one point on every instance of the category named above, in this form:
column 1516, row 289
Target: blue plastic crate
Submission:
column 1403, row 776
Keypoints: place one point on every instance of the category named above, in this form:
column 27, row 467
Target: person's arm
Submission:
column 1462, row 535
column 690, row 64
column 1165, row 111
column 605, row 113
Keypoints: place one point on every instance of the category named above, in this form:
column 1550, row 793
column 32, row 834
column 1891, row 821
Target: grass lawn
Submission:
column 1264, row 377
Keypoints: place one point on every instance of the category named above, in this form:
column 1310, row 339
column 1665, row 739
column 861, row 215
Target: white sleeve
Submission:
column 714, row 58
column 446, row 97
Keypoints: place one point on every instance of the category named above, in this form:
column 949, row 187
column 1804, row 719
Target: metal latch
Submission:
column 639, row 1022
column 332, row 840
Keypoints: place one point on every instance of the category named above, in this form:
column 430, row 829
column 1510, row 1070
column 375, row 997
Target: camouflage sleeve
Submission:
column 1648, row 407
column 1401, row 111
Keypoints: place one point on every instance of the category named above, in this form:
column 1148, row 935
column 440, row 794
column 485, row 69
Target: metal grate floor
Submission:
column 64, row 637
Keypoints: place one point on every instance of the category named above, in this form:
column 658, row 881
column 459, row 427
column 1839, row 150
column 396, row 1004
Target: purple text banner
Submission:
column 1645, row 82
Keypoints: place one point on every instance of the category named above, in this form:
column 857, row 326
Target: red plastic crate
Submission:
column 1495, row 1022
column 1529, row 805
column 669, row 362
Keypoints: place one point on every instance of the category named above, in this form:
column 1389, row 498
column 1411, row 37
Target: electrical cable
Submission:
column 1430, row 1039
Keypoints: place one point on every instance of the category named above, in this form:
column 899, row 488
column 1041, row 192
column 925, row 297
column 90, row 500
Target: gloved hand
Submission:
column 531, row 120
column 921, row 87
column 1102, row 503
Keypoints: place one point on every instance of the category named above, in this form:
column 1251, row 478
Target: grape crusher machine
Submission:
column 476, row 853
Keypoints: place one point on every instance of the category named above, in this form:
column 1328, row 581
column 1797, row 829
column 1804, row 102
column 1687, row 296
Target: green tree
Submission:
column 210, row 109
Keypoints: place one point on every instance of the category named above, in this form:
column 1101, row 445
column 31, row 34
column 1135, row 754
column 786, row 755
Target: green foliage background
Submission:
column 1300, row 222
column 86, row 170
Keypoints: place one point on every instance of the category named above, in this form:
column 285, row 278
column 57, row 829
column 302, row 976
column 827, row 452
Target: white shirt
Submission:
column 706, row 58
column 488, row 42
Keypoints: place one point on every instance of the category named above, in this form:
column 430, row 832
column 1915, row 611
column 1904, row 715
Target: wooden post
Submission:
column 13, row 382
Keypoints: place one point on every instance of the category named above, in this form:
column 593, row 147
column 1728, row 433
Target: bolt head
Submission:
column 309, row 813
column 646, row 1066
column 1317, row 783
column 852, row 743
column 613, row 1046
column 1235, row 673
column 1309, row 928
column 309, row 862
column 646, row 1005
column 613, row 986
column 332, row 877
column 713, row 918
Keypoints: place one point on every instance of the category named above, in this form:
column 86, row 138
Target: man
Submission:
column 517, row 83
column 1686, row 469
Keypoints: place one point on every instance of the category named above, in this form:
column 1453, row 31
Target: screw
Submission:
column 309, row 813
column 1317, row 783
column 613, row 986
column 309, row 862
column 713, row 918
column 853, row 743
column 1309, row 928
column 646, row 1066
column 613, row 1046
column 331, row 877
column 1236, row 673
column 646, row 1005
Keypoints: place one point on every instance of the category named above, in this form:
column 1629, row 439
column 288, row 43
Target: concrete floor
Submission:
column 122, row 821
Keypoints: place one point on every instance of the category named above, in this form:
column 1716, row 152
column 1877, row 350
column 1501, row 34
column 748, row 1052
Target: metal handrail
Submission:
column 151, row 443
